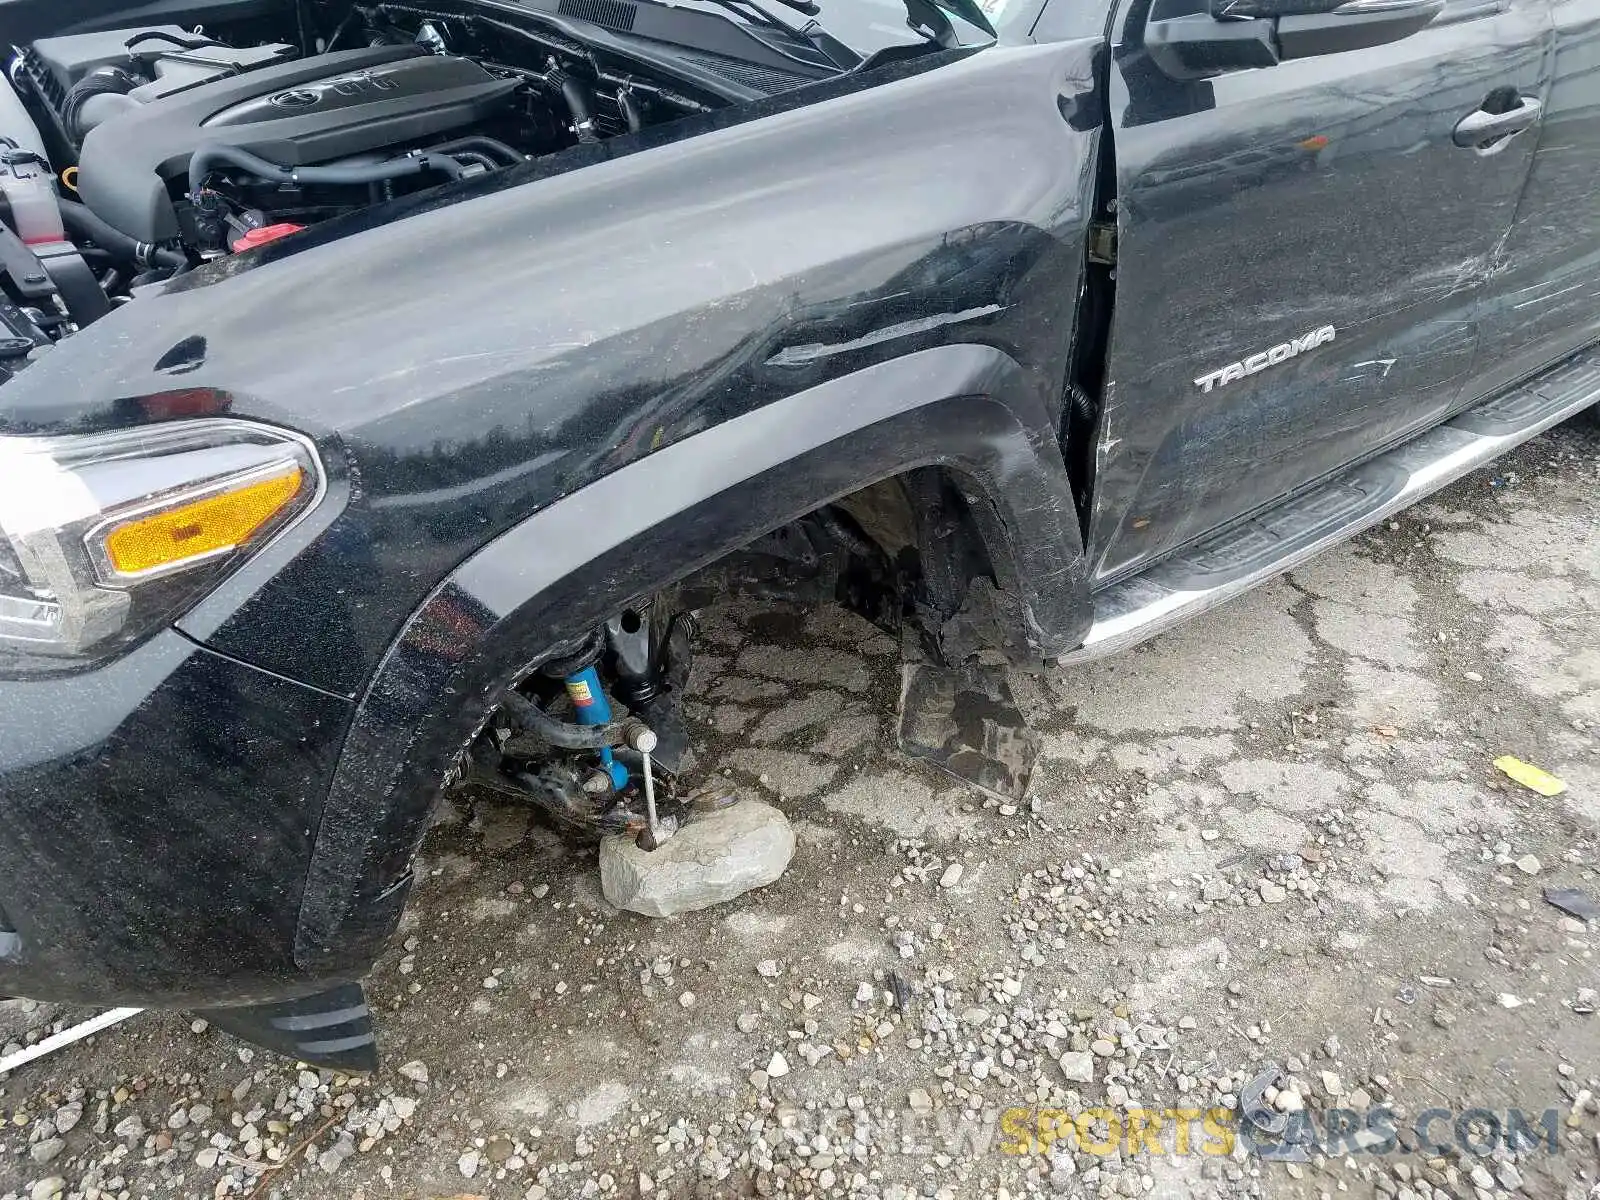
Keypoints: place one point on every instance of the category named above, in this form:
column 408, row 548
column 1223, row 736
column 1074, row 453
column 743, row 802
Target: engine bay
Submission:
column 129, row 155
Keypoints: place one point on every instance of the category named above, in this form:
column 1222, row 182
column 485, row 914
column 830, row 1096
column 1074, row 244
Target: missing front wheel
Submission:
column 595, row 736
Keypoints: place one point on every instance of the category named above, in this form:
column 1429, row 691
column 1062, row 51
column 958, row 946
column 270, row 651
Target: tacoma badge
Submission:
column 1280, row 353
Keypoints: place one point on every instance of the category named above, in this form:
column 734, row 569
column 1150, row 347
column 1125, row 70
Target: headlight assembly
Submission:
column 104, row 538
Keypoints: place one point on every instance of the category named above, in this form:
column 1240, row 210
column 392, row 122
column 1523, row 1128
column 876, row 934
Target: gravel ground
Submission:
column 1271, row 839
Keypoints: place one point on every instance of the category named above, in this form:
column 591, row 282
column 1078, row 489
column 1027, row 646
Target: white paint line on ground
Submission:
column 66, row 1037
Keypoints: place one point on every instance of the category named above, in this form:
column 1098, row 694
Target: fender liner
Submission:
column 561, row 571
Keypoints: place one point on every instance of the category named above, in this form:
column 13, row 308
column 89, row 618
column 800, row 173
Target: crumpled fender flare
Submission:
column 565, row 568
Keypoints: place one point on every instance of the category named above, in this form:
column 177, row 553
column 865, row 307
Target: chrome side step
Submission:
column 1217, row 569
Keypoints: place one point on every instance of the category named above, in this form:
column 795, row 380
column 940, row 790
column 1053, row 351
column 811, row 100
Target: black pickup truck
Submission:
column 386, row 384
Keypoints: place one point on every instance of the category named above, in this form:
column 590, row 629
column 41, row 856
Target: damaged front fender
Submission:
column 967, row 408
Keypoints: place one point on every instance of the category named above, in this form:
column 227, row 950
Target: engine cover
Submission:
column 313, row 111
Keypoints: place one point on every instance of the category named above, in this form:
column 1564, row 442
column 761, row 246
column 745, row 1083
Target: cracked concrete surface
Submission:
column 1348, row 713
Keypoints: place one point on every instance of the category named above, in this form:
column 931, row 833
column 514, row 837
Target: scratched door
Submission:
column 1545, row 298
column 1262, row 208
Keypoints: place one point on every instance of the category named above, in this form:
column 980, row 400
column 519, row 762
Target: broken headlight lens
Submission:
column 104, row 538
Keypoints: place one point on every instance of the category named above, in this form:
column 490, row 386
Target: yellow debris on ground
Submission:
column 1530, row 776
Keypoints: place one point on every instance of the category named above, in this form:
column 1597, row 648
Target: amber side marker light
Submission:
column 199, row 529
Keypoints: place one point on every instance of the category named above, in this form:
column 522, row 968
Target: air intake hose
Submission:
column 97, row 97
column 82, row 223
column 209, row 157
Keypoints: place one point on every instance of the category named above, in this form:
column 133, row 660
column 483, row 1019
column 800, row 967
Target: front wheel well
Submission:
column 963, row 416
column 906, row 552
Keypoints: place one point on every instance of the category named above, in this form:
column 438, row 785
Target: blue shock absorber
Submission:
column 589, row 700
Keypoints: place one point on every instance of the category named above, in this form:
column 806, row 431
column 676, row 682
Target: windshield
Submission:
column 867, row 26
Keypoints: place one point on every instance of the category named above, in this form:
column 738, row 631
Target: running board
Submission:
column 1220, row 567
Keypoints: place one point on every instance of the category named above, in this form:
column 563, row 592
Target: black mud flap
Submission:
column 964, row 720
column 330, row 1029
